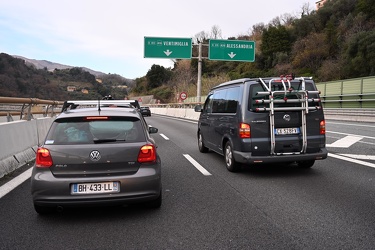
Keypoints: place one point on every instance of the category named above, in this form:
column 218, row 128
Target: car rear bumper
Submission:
column 248, row 158
column 48, row 190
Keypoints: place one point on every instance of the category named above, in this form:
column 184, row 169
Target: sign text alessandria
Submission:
column 231, row 50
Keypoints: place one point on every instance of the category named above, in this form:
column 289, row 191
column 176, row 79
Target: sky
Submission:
column 108, row 35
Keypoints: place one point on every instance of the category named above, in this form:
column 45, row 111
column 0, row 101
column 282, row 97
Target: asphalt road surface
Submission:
column 330, row 206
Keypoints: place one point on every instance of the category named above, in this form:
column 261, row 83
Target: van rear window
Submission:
column 277, row 86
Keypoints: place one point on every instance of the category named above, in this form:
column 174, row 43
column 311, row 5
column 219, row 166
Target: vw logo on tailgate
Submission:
column 286, row 117
column 95, row 155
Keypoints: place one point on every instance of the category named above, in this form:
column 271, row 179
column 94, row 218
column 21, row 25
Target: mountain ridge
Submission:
column 51, row 66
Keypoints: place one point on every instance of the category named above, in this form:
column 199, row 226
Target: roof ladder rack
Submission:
column 303, row 99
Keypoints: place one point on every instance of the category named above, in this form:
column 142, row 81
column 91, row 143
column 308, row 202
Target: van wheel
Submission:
column 230, row 163
column 306, row 164
column 201, row 146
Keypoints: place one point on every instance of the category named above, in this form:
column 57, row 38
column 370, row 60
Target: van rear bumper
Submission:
column 248, row 158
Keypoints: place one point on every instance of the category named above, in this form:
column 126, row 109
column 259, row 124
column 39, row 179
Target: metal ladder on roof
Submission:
column 303, row 99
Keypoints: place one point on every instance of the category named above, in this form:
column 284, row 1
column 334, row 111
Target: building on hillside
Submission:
column 319, row 4
column 71, row 88
column 84, row 91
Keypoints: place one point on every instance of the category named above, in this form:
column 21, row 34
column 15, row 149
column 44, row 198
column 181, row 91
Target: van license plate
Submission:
column 95, row 188
column 287, row 131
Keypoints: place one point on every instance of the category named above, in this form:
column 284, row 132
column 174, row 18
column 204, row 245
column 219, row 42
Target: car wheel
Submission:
column 155, row 203
column 42, row 210
column 306, row 164
column 230, row 163
column 201, row 146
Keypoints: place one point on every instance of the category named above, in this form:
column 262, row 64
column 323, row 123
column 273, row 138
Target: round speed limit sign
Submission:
column 183, row 95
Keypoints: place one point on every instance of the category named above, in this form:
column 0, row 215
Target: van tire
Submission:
column 230, row 163
column 306, row 164
column 201, row 146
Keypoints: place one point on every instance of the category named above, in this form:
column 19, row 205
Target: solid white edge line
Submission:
column 12, row 184
column 197, row 165
column 166, row 138
column 368, row 164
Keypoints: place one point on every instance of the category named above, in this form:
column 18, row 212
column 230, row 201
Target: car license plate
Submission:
column 287, row 131
column 95, row 188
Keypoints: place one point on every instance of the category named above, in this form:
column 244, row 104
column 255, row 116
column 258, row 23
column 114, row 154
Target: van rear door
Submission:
column 288, row 121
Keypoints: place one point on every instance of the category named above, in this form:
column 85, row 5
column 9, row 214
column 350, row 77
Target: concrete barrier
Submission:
column 19, row 140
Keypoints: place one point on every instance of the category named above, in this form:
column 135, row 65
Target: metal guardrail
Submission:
column 27, row 107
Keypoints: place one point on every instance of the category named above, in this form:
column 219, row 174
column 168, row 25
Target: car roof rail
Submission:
column 73, row 104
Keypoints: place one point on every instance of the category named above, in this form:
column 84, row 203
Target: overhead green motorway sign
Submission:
column 167, row 47
column 231, row 50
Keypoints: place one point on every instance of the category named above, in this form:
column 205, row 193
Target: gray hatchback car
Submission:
column 97, row 156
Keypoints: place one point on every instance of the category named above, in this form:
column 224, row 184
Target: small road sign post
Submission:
column 183, row 96
column 167, row 47
column 231, row 50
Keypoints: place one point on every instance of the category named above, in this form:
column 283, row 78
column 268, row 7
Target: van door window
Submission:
column 226, row 100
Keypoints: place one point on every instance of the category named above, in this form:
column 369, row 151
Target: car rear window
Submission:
column 277, row 86
column 86, row 131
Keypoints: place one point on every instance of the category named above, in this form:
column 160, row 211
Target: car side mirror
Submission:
column 198, row 108
column 152, row 130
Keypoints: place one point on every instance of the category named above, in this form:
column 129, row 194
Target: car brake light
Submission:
column 97, row 118
column 147, row 153
column 244, row 130
column 43, row 158
column 323, row 127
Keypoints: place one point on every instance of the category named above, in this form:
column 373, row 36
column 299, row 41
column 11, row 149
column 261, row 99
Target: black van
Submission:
column 263, row 120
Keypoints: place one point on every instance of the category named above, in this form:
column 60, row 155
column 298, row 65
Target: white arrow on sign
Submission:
column 231, row 55
column 167, row 52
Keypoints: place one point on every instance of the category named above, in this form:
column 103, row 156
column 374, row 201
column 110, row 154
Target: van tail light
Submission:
column 43, row 158
column 244, row 130
column 323, row 127
column 147, row 153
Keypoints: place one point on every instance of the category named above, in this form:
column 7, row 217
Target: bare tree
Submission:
column 305, row 9
column 201, row 37
column 216, row 32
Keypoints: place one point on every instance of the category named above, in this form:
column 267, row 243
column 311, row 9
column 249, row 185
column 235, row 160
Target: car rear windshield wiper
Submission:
column 107, row 140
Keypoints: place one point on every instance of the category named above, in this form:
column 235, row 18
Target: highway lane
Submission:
column 330, row 206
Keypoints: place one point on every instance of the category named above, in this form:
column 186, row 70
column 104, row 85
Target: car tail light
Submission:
column 244, row 130
column 323, row 127
column 43, row 158
column 147, row 153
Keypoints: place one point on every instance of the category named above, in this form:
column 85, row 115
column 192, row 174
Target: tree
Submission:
column 360, row 55
column 275, row 39
column 156, row 76
column 310, row 52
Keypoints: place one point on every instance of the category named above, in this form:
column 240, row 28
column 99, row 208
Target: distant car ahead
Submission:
column 145, row 111
column 97, row 156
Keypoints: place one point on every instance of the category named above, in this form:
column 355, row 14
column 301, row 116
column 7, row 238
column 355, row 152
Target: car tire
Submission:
column 201, row 146
column 155, row 203
column 42, row 210
column 306, row 164
column 230, row 162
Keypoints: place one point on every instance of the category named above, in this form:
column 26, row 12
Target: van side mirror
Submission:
column 198, row 108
